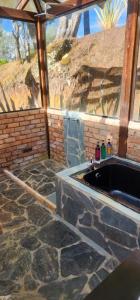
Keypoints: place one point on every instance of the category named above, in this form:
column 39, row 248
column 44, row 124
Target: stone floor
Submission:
column 41, row 257
column 41, row 177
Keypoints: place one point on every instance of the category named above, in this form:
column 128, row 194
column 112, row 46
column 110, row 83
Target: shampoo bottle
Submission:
column 109, row 149
column 97, row 152
column 103, row 150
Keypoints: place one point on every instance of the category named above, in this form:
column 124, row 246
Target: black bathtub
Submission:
column 120, row 182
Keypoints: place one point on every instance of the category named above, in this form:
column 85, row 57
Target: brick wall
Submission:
column 56, row 130
column 133, row 143
column 25, row 130
column 98, row 129
column 22, row 137
column 95, row 129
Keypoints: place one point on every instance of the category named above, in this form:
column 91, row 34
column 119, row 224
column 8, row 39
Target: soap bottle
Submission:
column 109, row 149
column 97, row 152
column 103, row 150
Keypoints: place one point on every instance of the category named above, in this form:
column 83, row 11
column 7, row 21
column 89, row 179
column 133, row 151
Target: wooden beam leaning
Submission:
column 22, row 4
column 15, row 14
column 41, row 45
column 127, row 76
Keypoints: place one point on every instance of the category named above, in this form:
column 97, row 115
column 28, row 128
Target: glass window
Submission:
column 85, row 52
column 136, row 111
column 19, row 73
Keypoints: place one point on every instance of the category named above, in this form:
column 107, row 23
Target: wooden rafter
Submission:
column 15, row 14
column 22, row 4
column 71, row 5
column 38, row 6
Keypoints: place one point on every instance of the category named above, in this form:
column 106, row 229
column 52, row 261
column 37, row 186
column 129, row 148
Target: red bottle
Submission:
column 97, row 152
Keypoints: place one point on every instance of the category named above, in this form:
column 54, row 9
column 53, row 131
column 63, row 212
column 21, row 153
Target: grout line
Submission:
column 52, row 208
column 41, row 199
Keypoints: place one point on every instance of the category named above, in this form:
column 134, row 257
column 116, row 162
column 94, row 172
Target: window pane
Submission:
column 85, row 59
column 19, row 74
column 136, row 112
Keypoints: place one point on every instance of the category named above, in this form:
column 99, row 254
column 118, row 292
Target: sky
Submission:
column 94, row 26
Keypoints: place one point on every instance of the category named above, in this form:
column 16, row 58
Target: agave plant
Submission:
column 109, row 15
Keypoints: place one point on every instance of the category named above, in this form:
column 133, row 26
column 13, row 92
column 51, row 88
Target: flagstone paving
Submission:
column 41, row 176
column 40, row 257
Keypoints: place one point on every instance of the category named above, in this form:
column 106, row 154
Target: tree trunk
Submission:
column 18, row 50
column 16, row 35
column 32, row 33
column 86, row 22
column 62, row 28
column 73, row 25
column 68, row 26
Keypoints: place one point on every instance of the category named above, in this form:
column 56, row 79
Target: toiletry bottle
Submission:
column 97, row 152
column 109, row 149
column 103, row 150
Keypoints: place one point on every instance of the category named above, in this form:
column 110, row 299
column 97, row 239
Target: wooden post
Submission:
column 41, row 45
column 127, row 76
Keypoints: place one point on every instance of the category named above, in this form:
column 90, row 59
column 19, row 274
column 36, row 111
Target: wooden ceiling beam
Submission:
column 70, row 6
column 38, row 6
column 15, row 14
column 22, row 4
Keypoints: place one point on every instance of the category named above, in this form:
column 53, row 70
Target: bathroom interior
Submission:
column 69, row 150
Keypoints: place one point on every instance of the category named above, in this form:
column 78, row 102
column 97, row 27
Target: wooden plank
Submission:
column 127, row 76
column 38, row 6
column 14, row 14
column 22, row 4
column 41, row 45
column 71, row 6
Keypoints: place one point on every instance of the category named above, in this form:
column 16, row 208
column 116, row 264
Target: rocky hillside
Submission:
column 90, row 80
column 87, row 78
column 19, row 85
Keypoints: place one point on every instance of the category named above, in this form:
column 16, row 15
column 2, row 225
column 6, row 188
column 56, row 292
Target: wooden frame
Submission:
column 15, row 14
column 131, row 41
column 41, row 45
column 70, row 6
column 22, row 4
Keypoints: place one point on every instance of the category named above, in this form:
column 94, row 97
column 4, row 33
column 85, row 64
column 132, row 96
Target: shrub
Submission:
column 63, row 49
column 3, row 61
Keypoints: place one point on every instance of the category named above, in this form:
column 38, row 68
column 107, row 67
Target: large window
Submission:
column 136, row 111
column 85, row 53
column 19, row 73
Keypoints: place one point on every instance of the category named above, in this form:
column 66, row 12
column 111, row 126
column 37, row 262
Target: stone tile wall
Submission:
column 112, row 230
column 74, row 139
column 41, row 257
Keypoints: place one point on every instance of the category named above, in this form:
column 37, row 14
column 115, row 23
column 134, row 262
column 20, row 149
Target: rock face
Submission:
column 40, row 256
